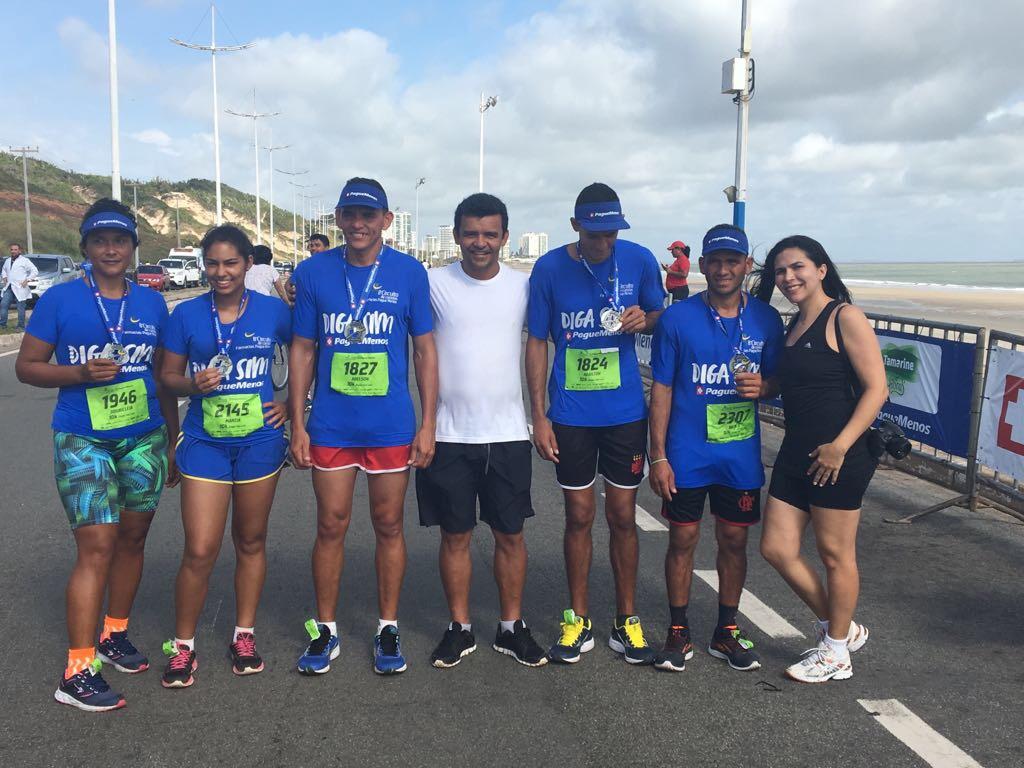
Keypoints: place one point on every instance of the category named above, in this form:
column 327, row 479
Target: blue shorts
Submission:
column 217, row 462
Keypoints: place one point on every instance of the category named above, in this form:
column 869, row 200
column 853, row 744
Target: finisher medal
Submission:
column 740, row 363
column 222, row 364
column 355, row 331
column 117, row 353
column 611, row 320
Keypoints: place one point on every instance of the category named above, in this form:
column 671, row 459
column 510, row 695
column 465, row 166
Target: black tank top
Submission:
column 820, row 391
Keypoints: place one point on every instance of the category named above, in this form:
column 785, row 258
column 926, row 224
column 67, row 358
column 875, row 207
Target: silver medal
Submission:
column 611, row 320
column 114, row 352
column 222, row 364
column 355, row 331
column 740, row 363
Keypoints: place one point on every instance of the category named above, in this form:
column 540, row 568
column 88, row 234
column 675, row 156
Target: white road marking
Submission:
column 15, row 351
column 767, row 620
column 529, row 426
column 931, row 746
column 645, row 521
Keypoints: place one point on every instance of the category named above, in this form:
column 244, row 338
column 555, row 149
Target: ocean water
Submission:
column 975, row 274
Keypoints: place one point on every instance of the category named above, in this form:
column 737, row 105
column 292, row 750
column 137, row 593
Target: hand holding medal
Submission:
column 611, row 317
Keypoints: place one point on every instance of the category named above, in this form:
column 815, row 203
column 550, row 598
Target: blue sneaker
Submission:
column 88, row 691
column 119, row 651
column 322, row 649
column 387, row 652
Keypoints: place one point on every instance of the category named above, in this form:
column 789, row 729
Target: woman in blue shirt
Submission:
column 218, row 349
column 113, row 433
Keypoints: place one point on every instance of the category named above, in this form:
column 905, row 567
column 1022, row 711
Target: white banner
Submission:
column 643, row 348
column 912, row 369
column 1001, row 439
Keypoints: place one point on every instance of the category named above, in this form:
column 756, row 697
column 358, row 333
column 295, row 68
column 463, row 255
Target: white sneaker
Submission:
column 855, row 639
column 819, row 665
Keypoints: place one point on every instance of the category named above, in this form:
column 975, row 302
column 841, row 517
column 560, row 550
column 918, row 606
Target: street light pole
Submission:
column 135, row 211
column 256, row 145
column 295, row 224
column 738, row 78
column 213, row 48
column 485, row 104
column 270, row 150
column 24, row 180
column 115, row 140
column 419, row 184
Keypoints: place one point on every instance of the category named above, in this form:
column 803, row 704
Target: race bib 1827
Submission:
column 362, row 374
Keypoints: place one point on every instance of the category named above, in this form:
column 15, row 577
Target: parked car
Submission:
column 183, row 273
column 153, row 276
column 53, row 269
column 194, row 274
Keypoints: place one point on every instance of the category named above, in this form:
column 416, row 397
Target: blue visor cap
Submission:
column 601, row 217
column 109, row 220
column 725, row 239
column 366, row 195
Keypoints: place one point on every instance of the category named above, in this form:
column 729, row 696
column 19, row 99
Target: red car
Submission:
column 153, row 276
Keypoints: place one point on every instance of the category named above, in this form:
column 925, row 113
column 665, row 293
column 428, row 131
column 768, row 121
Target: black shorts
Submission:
column 498, row 474
column 678, row 294
column 799, row 491
column 729, row 505
column 618, row 453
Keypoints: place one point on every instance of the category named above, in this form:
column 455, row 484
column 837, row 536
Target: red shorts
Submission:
column 372, row 461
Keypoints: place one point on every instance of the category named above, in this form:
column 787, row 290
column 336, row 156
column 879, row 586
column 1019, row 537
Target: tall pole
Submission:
column 295, row 223
column 177, row 219
column 739, row 209
column 115, row 140
column 256, row 144
column 24, row 180
column 213, row 48
column 270, row 151
column 419, row 184
column 135, row 210
column 485, row 104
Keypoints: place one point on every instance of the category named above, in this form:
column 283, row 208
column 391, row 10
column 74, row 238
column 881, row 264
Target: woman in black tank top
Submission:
column 832, row 381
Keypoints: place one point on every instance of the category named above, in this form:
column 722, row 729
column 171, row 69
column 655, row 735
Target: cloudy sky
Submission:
column 888, row 129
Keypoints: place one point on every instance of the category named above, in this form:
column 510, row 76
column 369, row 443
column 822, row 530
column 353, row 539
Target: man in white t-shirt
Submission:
column 262, row 277
column 483, row 443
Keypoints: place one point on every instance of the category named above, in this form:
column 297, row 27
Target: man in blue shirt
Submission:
column 590, row 298
column 712, row 358
column 355, row 309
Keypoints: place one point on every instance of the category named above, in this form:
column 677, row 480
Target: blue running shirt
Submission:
column 266, row 321
column 397, row 306
column 691, row 355
column 67, row 317
column 565, row 305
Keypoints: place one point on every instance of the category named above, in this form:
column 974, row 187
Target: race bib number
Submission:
column 117, row 405
column 232, row 415
column 729, row 422
column 592, row 369
column 362, row 374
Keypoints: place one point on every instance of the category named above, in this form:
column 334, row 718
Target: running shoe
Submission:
column 244, row 659
column 576, row 638
column 455, row 644
column 731, row 645
column 630, row 642
column 119, row 651
column 179, row 669
column 819, row 665
column 387, row 652
column 520, row 645
column 855, row 640
column 88, row 691
column 677, row 651
column 323, row 648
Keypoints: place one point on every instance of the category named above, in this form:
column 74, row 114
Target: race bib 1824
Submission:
column 592, row 369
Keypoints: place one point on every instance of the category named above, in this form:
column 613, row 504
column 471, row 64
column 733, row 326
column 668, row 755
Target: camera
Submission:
column 888, row 438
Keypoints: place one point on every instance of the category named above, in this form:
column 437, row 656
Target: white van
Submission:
column 184, row 266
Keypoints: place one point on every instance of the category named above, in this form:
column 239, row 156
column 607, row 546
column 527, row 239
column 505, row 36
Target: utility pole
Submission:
column 255, row 116
column 177, row 219
column 115, row 138
column 270, row 150
column 24, row 179
column 295, row 224
column 738, row 79
column 485, row 104
column 135, row 210
column 419, row 184
column 213, row 48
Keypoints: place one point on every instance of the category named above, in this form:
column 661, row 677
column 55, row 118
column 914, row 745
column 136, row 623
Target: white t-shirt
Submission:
column 261, row 278
column 478, row 330
column 16, row 274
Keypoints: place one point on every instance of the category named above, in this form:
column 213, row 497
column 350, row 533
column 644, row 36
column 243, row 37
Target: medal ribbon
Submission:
column 113, row 330
column 721, row 326
column 613, row 301
column 224, row 345
column 357, row 311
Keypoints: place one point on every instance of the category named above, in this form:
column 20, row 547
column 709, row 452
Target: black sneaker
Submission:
column 244, row 658
column 119, row 651
column 88, row 691
column 677, row 651
column 456, row 643
column 629, row 640
column 179, row 669
column 731, row 645
column 520, row 645
column 577, row 638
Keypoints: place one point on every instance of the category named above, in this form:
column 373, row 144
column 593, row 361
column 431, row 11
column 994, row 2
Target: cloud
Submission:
column 90, row 52
column 159, row 139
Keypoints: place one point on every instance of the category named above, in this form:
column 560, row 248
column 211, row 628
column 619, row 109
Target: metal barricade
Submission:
column 998, row 490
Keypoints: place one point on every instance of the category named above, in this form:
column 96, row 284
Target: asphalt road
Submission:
column 942, row 599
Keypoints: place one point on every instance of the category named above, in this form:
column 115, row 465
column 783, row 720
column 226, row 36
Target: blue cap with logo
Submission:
column 725, row 237
column 360, row 193
column 109, row 220
column 600, row 217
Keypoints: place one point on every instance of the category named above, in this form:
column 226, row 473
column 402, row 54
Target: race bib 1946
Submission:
column 117, row 405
